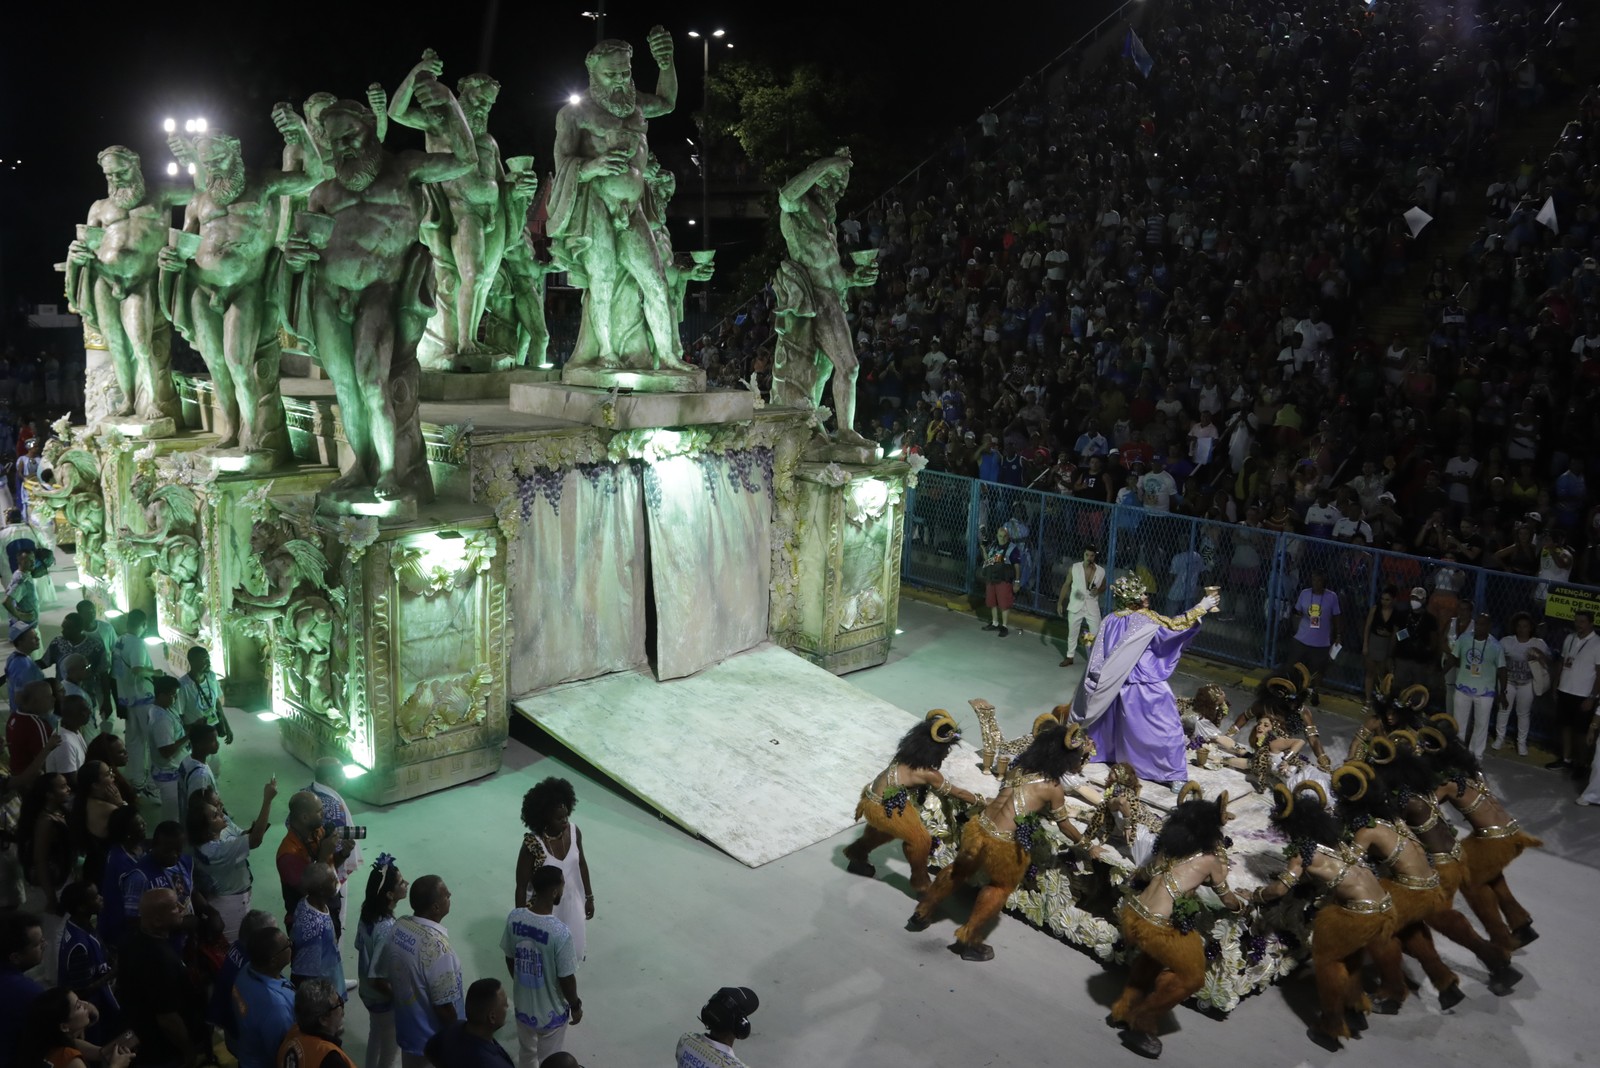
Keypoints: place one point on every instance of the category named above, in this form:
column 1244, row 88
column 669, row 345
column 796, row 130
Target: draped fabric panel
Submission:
column 578, row 581
column 710, row 521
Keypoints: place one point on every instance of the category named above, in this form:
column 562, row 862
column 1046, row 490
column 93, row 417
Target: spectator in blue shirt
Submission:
column 21, row 950
column 263, row 1001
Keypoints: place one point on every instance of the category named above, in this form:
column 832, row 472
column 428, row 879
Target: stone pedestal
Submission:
column 451, row 386
column 692, row 381
column 399, row 666
column 848, row 534
column 631, row 411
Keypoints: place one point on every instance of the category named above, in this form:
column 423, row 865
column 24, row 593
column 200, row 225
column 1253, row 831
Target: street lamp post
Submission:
column 705, row 124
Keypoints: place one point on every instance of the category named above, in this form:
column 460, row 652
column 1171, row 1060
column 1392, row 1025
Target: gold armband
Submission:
column 1287, row 878
column 1056, row 815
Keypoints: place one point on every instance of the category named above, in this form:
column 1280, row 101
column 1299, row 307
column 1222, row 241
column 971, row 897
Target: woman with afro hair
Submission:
column 891, row 804
column 554, row 839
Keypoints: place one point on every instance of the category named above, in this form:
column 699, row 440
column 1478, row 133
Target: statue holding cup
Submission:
column 221, row 278
column 468, row 220
column 810, row 287
column 112, row 270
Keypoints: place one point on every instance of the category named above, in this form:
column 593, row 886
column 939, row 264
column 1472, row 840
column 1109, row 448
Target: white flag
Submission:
column 1547, row 215
column 1416, row 218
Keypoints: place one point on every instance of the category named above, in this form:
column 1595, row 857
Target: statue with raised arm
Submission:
column 467, row 221
column 600, row 233
column 810, row 289
column 367, row 291
column 223, row 299
column 112, row 275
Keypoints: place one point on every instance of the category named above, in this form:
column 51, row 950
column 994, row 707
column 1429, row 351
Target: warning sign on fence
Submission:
column 1565, row 600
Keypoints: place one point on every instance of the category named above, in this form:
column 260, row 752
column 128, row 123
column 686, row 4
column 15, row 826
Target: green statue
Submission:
column 467, row 223
column 598, row 228
column 810, row 292
column 223, row 299
column 661, row 184
column 112, row 272
column 366, row 294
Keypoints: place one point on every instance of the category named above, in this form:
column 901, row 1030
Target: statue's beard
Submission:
column 127, row 196
column 357, row 172
column 621, row 101
column 226, row 186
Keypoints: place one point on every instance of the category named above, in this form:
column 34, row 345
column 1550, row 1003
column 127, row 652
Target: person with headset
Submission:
column 727, row 1018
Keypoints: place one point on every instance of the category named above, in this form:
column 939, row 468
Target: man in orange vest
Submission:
column 319, row 1025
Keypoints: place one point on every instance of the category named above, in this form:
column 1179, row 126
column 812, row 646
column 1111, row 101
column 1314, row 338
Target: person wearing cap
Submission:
column 21, row 669
column 727, row 1020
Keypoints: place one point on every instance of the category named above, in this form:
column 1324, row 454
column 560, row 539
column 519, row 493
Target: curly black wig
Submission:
column 917, row 749
column 1193, row 827
column 1049, row 756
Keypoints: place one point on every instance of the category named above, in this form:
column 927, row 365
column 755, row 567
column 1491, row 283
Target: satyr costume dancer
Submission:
column 1290, row 700
column 1496, row 839
column 1354, row 912
column 1126, row 704
column 1411, row 791
column 892, row 803
column 1158, row 918
column 999, row 840
column 1390, row 712
column 1404, row 871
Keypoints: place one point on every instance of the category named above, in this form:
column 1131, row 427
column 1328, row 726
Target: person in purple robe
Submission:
column 1125, row 703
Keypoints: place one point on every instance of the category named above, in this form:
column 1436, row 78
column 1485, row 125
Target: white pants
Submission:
column 1519, row 700
column 1591, row 793
column 1085, row 615
column 1473, row 712
column 534, row 1046
column 231, row 907
column 382, row 1049
column 138, row 742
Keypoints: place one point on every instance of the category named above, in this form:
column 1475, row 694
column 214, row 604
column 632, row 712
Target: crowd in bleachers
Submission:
column 1172, row 273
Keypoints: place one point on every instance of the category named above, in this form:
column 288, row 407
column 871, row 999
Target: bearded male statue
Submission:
column 368, row 293
column 224, row 300
column 468, row 220
column 111, row 282
column 599, row 229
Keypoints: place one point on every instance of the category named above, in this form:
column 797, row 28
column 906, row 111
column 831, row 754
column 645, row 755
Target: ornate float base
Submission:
column 849, row 532
column 596, row 407
column 638, row 381
column 398, row 665
column 142, row 429
column 823, row 451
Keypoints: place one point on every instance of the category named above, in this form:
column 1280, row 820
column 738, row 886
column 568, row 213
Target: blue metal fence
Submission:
column 1260, row 572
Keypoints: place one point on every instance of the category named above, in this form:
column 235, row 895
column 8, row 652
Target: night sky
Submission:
column 77, row 77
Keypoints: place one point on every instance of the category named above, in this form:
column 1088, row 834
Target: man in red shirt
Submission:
column 27, row 730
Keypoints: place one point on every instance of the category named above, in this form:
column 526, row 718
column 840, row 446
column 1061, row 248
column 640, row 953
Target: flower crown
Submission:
column 1129, row 589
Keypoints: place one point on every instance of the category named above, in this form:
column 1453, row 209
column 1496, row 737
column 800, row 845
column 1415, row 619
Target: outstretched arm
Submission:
column 400, row 109
column 665, row 97
column 296, row 132
column 790, row 196
column 452, row 128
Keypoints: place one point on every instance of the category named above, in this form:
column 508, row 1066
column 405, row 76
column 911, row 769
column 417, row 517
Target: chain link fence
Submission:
column 1261, row 573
